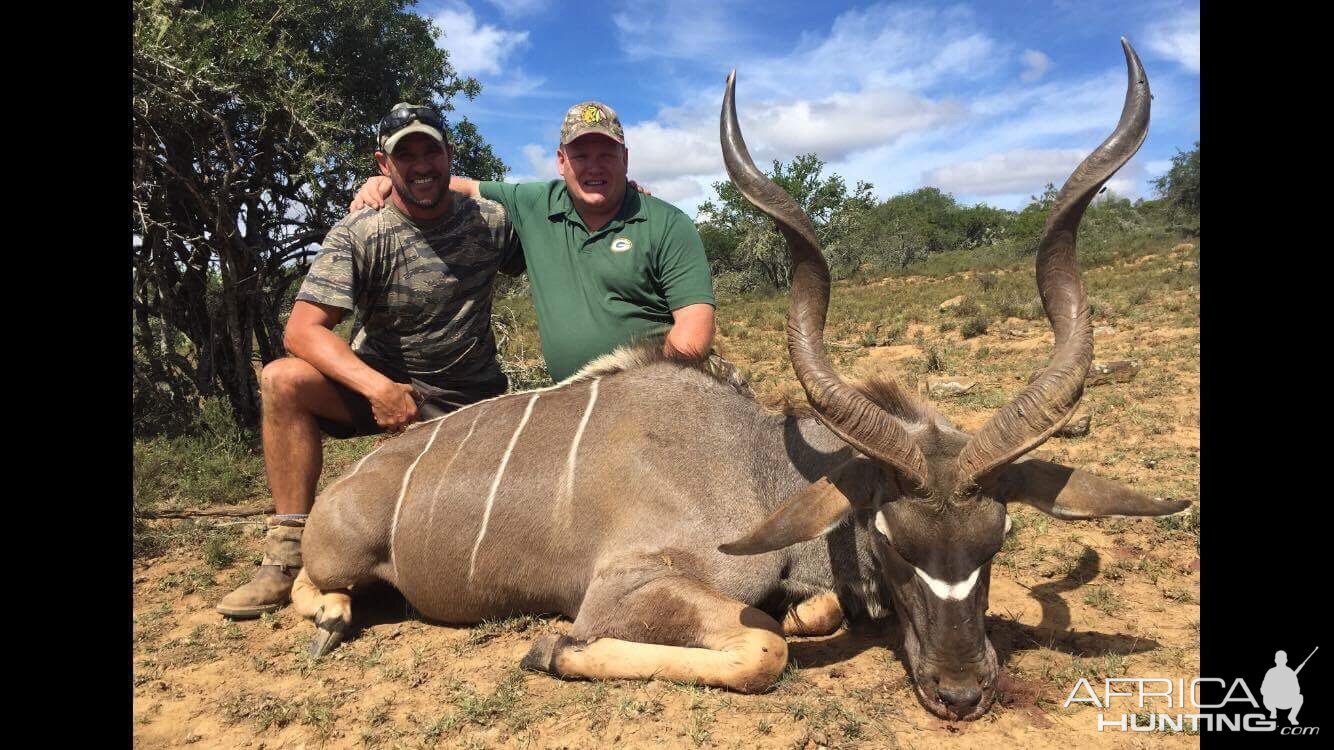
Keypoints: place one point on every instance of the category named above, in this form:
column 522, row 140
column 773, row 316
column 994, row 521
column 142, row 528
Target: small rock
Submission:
column 1104, row 331
column 947, row 387
column 951, row 302
column 1016, row 333
column 1120, row 371
column 1184, row 247
column 1078, row 426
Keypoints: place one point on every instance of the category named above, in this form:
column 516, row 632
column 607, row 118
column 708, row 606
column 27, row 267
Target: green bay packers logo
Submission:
column 621, row 244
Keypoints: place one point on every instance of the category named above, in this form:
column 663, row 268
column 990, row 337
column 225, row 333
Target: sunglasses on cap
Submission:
column 401, row 118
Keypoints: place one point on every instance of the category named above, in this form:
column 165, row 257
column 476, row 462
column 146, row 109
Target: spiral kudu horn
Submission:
column 851, row 416
column 1048, row 402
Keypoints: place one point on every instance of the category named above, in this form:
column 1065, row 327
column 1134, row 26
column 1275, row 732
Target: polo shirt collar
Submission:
column 562, row 206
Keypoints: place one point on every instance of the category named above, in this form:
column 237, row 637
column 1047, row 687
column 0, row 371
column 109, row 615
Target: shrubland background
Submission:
column 253, row 122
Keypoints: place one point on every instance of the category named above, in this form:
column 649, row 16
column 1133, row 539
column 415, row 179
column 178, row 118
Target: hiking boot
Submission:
column 271, row 587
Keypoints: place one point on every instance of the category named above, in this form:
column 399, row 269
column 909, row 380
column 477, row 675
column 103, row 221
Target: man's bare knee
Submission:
column 283, row 381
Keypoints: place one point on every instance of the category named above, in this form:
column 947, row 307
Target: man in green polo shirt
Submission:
column 608, row 265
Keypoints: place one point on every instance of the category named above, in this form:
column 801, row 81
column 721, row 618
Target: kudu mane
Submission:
column 882, row 390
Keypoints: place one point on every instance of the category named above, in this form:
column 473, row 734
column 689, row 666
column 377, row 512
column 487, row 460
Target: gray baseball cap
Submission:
column 420, row 119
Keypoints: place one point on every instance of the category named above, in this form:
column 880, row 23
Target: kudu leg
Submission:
column 331, row 610
column 675, row 629
column 818, row 615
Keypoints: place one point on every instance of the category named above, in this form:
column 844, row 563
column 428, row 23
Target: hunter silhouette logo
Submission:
column 1281, row 688
column 592, row 114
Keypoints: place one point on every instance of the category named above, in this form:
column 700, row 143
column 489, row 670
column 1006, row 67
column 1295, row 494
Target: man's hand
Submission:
column 372, row 194
column 393, row 406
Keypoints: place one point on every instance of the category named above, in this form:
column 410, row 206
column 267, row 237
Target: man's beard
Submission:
column 404, row 191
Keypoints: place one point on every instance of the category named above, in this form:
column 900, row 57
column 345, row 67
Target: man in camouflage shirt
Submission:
column 419, row 275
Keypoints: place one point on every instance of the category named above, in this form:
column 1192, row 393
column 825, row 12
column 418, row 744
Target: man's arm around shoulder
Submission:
column 375, row 191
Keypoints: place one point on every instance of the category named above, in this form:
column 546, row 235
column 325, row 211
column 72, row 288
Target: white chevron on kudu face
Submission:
column 495, row 484
column 942, row 589
column 949, row 591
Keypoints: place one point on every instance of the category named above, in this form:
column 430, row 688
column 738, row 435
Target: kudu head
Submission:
column 935, row 495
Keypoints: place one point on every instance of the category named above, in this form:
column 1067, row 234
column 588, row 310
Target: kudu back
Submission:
column 605, row 498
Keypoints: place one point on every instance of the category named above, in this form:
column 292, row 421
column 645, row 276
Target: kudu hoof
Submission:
column 329, row 633
column 542, row 656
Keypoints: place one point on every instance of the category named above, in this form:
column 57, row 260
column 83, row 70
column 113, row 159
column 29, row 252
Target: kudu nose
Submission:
column 961, row 699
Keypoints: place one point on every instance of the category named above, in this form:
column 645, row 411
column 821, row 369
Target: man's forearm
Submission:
column 688, row 341
column 465, row 185
column 327, row 352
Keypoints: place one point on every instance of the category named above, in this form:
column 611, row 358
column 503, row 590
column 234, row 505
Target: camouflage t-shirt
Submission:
column 421, row 291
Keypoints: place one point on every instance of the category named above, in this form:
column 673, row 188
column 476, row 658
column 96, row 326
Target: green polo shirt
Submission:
column 596, row 291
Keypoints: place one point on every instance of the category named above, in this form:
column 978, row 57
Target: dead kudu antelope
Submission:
column 605, row 497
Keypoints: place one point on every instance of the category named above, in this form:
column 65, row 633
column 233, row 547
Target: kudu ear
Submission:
column 810, row 512
column 1071, row 494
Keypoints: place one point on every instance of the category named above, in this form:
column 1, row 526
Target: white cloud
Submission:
column 679, row 190
column 659, row 152
column 1158, row 167
column 1177, row 39
column 907, row 47
column 681, row 30
column 843, row 123
column 1014, row 171
column 1036, row 65
column 518, row 8
column 516, row 83
column 542, row 161
column 475, row 49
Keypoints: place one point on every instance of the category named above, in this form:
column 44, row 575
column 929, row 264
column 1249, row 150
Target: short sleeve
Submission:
column 331, row 279
column 512, row 262
column 503, row 235
column 526, row 202
column 681, row 267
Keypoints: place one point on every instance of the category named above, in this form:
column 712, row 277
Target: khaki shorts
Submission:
column 432, row 402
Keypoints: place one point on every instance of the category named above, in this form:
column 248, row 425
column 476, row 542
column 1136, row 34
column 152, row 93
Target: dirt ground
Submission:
column 1068, row 600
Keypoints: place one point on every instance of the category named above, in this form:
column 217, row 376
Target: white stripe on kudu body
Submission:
column 435, row 496
column 495, row 484
column 568, row 488
column 398, row 504
column 942, row 589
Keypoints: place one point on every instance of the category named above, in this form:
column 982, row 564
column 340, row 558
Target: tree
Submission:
column 740, row 238
column 252, row 120
column 1180, row 188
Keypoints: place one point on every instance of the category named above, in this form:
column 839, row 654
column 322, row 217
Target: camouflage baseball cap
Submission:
column 591, row 117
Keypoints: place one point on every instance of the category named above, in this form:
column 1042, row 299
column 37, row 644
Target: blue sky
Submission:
column 989, row 100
